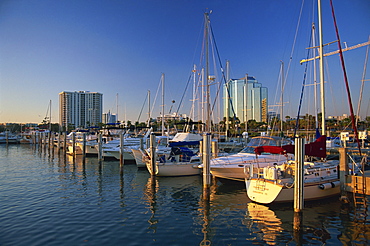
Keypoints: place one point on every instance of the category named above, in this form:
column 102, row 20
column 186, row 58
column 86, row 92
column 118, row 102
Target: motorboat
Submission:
column 232, row 166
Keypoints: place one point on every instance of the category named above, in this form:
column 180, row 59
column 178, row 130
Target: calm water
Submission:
column 51, row 201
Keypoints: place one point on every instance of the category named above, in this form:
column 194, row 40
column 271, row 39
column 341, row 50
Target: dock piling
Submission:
column 206, row 160
column 121, row 145
column 299, row 174
column 153, row 155
column 100, row 148
column 84, row 147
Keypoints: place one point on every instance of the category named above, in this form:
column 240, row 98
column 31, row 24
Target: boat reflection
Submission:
column 164, row 195
column 278, row 224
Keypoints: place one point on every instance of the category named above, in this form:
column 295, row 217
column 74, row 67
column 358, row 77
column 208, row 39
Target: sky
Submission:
column 121, row 48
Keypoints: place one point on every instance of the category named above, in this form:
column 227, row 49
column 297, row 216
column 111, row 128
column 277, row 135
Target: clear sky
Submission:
column 123, row 46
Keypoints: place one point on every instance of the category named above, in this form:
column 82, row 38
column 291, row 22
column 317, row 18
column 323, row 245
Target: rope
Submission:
column 301, row 97
column 345, row 78
column 142, row 109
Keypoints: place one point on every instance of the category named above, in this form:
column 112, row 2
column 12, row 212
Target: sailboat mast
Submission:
column 315, row 77
column 148, row 108
column 192, row 114
column 245, row 98
column 321, row 64
column 117, row 108
column 227, row 109
column 282, row 102
column 50, row 117
column 208, row 117
column 162, row 104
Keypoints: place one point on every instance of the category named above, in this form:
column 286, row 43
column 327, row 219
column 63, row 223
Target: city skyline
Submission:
column 121, row 48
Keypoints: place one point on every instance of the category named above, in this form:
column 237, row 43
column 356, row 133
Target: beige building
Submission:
column 80, row 109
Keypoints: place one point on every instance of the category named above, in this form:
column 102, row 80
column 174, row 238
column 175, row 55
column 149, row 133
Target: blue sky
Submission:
column 50, row 46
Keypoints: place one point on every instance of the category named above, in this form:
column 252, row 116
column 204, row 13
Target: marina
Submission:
column 60, row 200
column 219, row 164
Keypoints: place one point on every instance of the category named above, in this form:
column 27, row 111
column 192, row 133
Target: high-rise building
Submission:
column 109, row 118
column 248, row 99
column 80, row 108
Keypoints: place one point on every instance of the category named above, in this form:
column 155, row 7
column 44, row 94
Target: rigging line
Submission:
column 362, row 83
column 301, row 97
column 345, row 78
column 142, row 108
column 294, row 43
column 182, row 97
column 223, row 75
column 156, row 95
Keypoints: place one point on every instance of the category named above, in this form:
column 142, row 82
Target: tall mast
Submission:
column 315, row 77
column 202, row 101
column 192, row 114
column 117, row 108
column 227, row 106
column 148, row 108
column 162, row 104
column 246, row 102
column 50, row 117
column 321, row 64
column 282, row 94
column 208, row 111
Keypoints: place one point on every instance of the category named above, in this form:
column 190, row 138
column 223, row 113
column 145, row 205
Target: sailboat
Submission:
column 275, row 183
column 174, row 158
column 233, row 166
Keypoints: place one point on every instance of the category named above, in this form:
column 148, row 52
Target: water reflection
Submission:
column 155, row 209
column 279, row 224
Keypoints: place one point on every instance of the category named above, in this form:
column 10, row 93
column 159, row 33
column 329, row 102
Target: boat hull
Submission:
column 266, row 191
column 175, row 169
column 233, row 173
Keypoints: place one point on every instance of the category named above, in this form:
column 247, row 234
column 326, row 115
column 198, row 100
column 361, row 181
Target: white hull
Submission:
column 233, row 173
column 276, row 183
column 265, row 191
column 127, row 156
column 232, row 167
column 139, row 158
column 175, row 169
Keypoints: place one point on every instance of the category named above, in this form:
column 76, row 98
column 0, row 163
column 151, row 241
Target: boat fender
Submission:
column 248, row 171
column 329, row 185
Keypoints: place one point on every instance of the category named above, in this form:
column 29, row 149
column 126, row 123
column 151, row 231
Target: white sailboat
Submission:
column 174, row 159
column 233, row 166
column 274, row 183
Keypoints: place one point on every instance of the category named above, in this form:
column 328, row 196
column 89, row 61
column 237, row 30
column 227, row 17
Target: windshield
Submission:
column 264, row 141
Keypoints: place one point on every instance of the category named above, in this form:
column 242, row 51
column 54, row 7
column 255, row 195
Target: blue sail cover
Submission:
column 183, row 143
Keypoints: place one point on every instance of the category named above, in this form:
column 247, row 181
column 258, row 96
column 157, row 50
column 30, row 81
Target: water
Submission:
column 51, row 201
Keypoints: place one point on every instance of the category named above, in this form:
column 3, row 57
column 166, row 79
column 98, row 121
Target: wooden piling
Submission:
column 121, row 146
column 84, row 147
column 73, row 145
column 299, row 174
column 52, row 144
column 65, row 143
column 49, row 142
column 153, row 155
column 100, row 147
column 214, row 149
column 343, row 173
column 206, row 160
column 58, row 146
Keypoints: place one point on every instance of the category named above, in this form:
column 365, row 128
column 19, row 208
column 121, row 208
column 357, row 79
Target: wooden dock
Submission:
column 358, row 184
